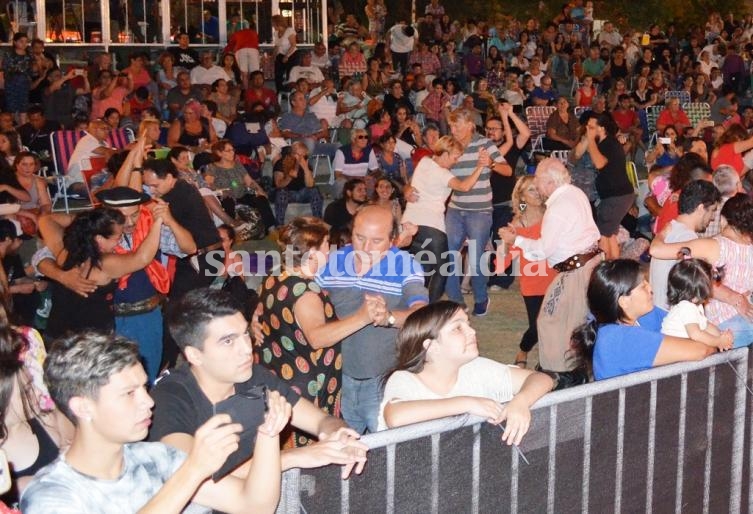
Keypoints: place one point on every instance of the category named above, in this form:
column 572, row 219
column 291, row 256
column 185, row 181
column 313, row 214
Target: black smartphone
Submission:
column 246, row 408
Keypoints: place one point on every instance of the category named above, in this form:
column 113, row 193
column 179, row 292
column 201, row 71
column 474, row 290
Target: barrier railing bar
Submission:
column 290, row 492
column 390, row 500
column 710, row 439
column 587, row 454
column 738, row 440
column 620, row 451
column 552, row 459
column 651, row 449
column 681, row 442
column 514, row 470
column 345, row 496
column 427, row 428
column 476, row 468
column 435, row 473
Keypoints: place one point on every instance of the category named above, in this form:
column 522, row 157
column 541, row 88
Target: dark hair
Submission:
column 23, row 155
column 35, row 109
column 116, row 160
column 141, row 92
column 109, row 112
column 422, row 324
column 216, row 84
column 19, row 35
column 686, row 169
column 229, row 229
column 738, row 211
column 211, row 106
column 15, row 145
column 609, row 281
column 175, row 152
column 12, row 346
column 79, row 238
column 187, row 318
column 161, row 167
column 610, row 126
column 7, row 230
column 690, row 280
column 80, row 364
column 695, row 193
column 351, row 184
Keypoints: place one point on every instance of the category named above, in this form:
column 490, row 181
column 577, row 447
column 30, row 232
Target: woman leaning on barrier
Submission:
column 439, row 373
column 624, row 335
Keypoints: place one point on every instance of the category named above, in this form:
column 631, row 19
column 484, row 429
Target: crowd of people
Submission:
column 141, row 367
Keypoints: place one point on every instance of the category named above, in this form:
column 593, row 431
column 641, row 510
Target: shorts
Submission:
column 610, row 212
column 248, row 59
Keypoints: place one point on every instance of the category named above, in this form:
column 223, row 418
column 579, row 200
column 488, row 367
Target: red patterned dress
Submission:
column 315, row 374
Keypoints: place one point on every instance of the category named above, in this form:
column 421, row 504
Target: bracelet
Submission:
column 139, row 169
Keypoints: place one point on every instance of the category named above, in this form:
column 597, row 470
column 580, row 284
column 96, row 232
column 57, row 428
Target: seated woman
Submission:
column 625, row 334
column 192, row 130
column 439, row 373
column 32, row 428
column 386, row 195
column 392, row 165
column 294, row 182
column 227, row 103
column 26, row 167
column 304, row 349
column 665, row 153
column 733, row 250
column 10, row 145
column 228, row 176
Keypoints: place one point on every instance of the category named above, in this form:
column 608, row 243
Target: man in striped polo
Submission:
column 469, row 214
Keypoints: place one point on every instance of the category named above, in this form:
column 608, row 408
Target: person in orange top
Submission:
column 535, row 276
column 730, row 147
column 673, row 115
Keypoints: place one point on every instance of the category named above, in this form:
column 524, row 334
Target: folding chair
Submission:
column 684, row 96
column 578, row 110
column 697, row 111
column 536, row 117
column 652, row 115
column 562, row 155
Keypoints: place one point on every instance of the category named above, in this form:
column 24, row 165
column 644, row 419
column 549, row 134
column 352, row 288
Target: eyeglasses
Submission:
column 362, row 137
column 490, row 129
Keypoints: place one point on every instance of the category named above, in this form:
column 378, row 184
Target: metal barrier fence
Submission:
column 670, row 439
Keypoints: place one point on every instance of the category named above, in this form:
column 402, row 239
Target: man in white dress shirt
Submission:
column 569, row 242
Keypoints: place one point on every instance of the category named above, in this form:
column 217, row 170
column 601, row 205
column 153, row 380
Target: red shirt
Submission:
column 669, row 211
column 246, row 38
column 265, row 96
column 726, row 155
column 625, row 119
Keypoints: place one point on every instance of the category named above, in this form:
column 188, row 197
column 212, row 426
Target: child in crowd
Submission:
column 689, row 287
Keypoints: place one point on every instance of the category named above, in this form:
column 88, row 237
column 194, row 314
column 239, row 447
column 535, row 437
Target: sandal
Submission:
column 521, row 359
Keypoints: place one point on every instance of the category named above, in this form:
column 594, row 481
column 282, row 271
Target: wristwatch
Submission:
column 391, row 319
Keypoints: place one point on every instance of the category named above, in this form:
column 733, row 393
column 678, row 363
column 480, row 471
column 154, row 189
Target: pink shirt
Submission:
column 737, row 260
column 115, row 100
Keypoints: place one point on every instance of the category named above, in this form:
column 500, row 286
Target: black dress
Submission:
column 72, row 312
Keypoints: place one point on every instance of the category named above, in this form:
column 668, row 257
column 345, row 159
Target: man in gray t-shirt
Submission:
column 697, row 204
column 98, row 382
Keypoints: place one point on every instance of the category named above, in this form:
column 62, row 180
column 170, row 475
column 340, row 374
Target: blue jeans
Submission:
column 146, row 330
column 359, row 401
column 475, row 226
column 742, row 330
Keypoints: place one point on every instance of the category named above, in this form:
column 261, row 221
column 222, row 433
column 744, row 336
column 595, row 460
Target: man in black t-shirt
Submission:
column 213, row 336
column 185, row 57
column 339, row 213
column 35, row 135
column 189, row 210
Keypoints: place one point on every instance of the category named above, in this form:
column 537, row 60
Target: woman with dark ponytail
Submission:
column 88, row 246
column 625, row 332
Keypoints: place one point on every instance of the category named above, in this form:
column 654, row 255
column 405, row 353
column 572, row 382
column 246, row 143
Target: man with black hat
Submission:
column 139, row 296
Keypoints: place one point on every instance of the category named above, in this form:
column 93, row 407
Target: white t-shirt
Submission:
column 84, row 150
column 659, row 268
column 203, row 76
column 430, row 180
column 146, row 467
column 311, row 73
column 684, row 313
column 282, row 43
column 481, row 377
column 399, row 42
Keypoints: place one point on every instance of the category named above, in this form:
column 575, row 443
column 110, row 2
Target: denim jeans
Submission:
column 475, row 226
column 360, row 403
column 310, row 195
column 742, row 330
column 146, row 330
